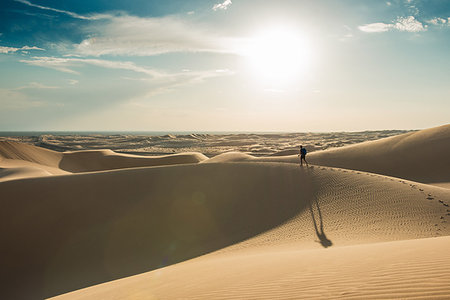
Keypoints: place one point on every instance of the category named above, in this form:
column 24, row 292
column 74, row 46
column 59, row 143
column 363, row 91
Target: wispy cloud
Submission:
column 222, row 6
column 36, row 85
column 5, row 50
column 185, row 78
column 67, row 64
column 69, row 13
column 162, row 81
column 134, row 36
column 375, row 27
column 409, row 24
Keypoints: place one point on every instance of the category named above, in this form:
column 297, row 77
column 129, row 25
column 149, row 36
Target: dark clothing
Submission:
column 303, row 152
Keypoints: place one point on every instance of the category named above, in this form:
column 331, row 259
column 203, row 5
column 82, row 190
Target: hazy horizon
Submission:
column 224, row 66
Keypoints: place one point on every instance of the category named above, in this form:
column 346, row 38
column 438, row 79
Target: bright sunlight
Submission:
column 278, row 56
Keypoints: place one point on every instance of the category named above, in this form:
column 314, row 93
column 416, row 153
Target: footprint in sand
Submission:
column 430, row 198
column 421, row 190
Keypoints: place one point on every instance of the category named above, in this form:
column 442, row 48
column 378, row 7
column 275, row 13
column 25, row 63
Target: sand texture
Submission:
column 97, row 224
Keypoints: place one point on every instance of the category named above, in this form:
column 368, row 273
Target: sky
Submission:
column 224, row 65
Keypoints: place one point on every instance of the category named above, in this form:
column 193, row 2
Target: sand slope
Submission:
column 420, row 156
column 93, row 227
column 19, row 160
column 413, row 269
column 89, row 228
column 99, row 160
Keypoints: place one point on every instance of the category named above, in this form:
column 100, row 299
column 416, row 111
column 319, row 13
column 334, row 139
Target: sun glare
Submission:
column 278, row 56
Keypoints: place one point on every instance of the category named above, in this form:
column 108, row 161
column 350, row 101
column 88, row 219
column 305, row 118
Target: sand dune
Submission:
column 231, row 227
column 229, row 157
column 89, row 228
column 412, row 269
column 420, row 156
column 19, row 160
column 28, row 153
column 99, row 160
column 209, row 144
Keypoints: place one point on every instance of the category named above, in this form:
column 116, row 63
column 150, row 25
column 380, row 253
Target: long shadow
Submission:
column 318, row 224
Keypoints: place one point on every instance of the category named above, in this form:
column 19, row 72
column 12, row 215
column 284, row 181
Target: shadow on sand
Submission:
column 318, row 224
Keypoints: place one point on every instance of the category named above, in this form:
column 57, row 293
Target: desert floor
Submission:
column 367, row 218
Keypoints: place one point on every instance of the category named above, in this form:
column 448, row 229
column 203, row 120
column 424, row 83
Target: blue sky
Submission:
column 243, row 65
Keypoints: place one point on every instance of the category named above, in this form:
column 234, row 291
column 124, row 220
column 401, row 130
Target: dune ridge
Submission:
column 419, row 156
column 19, row 160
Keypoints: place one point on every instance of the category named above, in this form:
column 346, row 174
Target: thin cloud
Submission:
column 375, row 27
column 6, row 50
column 36, row 85
column 69, row 13
column 408, row 24
column 184, row 78
column 134, row 36
column 67, row 64
column 161, row 81
column 222, row 6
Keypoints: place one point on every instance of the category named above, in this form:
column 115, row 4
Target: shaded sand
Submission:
column 233, row 226
column 420, row 156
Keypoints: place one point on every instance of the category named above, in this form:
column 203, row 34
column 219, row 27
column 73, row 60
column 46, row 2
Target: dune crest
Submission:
column 420, row 156
column 19, row 160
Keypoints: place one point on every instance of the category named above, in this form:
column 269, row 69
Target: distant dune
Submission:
column 23, row 160
column 230, row 227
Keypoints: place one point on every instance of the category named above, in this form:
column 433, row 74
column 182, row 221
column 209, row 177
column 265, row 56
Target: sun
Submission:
column 278, row 56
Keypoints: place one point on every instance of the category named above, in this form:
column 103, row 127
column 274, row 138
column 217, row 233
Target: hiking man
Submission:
column 302, row 155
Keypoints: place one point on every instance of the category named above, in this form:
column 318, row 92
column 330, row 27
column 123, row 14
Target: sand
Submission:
column 235, row 226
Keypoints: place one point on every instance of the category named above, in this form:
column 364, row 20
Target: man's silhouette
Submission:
column 302, row 155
